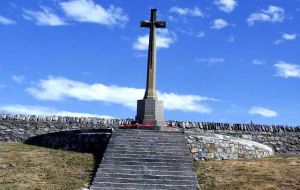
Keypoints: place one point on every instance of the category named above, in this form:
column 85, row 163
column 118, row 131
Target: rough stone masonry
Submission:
column 282, row 139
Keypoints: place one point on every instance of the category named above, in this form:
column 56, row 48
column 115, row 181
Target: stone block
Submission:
column 150, row 111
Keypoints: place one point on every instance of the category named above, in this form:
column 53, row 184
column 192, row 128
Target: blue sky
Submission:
column 220, row 61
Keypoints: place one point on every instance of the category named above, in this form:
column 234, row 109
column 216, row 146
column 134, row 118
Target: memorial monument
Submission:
column 150, row 109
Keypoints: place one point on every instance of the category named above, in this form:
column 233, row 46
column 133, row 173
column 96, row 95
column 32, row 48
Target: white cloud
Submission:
column 200, row 34
column 219, row 24
column 226, row 5
column 57, row 89
column 195, row 12
column 18, row 78
column 287, row 70
column 211, row 60
column 44, row 17
column 286, row 37
column 258, row 62
column 44, row 111
column 265, row 112
column 273, row 14
column 164, row 39
column 89, row 11
column 6, row 21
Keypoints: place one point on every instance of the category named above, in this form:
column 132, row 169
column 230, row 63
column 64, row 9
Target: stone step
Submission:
column 146, row 168
column 144, row 181
column 140, row 171
column 146, row 152
column 146, row 156
column 149, row 142
column 147, row 163
column 154, row 147
column 136, row 131
column 157, row 133
column 139, row 159
column 154, row 136
column 145, row 160
column 151, row 186
column 149, row 139
column 147, row 176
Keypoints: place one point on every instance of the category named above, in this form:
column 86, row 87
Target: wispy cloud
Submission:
column 200, row 34
column 44, row 111
column 164, row 39
column 18, row 78
column 273, row 14
column 265, row 112
column 258, row 62
column 195, row 12
column 6, row 21
column 286, row 37
column 211, row 60
column 219, row 24
column 89, row 11
column 191, row 32
column 226, row 5
column 58, row 89
column 43, row 17
column 287, row 70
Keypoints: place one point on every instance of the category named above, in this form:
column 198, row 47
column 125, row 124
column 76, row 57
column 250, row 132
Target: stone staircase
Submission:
column 146, row 159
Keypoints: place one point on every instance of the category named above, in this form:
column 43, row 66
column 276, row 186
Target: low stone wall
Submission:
column 207, row 146
column 21, row 127
column 282, row 139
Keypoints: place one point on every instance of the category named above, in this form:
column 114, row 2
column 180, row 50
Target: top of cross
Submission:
column 153, row 22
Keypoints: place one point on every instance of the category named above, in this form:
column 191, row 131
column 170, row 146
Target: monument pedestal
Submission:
column 150, row 111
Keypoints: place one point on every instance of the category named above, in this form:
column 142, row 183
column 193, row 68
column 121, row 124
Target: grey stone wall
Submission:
column 283, row 139
column 207, row 146
column 21, row 127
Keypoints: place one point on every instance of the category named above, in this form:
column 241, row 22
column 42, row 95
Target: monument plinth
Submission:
column 150, row 109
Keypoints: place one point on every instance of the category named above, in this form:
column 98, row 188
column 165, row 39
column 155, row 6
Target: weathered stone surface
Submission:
column 141, row 159
column 150, row 111
column 282, row 139
column 207, row 146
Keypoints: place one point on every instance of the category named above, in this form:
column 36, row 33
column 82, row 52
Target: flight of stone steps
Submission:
column 146, row 159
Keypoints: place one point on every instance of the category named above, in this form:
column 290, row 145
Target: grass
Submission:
column 277, row 172
column 27, row 167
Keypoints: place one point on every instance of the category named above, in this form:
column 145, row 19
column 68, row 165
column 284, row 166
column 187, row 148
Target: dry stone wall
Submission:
column 21, row 127
column 207, row 146
column 282, row 139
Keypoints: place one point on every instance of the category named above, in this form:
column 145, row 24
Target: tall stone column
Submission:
column 150, row 109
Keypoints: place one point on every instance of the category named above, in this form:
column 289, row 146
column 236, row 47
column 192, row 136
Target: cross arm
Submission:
column 157, row 24
column 146, row 24
column 160, row 24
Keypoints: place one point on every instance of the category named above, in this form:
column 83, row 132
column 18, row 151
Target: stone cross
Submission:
column 150, row 109
column 151, row 71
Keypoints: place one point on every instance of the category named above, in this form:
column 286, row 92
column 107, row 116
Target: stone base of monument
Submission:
column 141, row 127
column 150, row 111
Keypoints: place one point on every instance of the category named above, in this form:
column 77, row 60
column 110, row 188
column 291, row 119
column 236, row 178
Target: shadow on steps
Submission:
column 92, row 141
